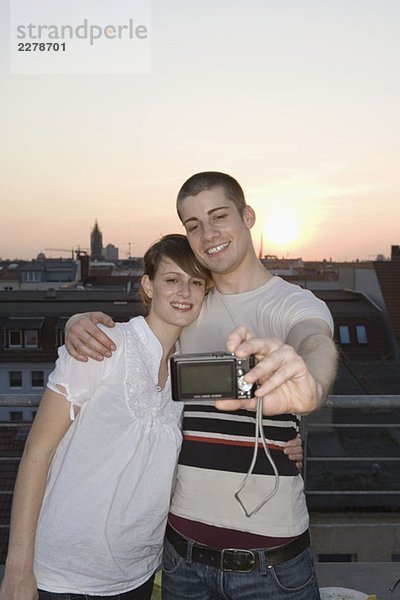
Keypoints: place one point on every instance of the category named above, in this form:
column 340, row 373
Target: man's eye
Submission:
column 221, row 216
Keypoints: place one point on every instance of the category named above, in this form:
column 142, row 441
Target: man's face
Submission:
column 218, row 235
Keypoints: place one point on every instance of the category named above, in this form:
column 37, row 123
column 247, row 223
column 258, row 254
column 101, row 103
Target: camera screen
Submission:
column 210, row 378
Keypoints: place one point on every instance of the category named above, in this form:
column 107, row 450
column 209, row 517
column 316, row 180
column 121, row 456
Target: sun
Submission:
column 282, row 227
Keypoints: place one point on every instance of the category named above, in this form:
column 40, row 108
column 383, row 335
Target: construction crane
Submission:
column 78, row 251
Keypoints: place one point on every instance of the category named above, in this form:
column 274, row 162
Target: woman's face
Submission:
column 176, row 296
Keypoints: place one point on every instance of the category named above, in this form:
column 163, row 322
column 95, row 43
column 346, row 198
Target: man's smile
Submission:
column 217, row 249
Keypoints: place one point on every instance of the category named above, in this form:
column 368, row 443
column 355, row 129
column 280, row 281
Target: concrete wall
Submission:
column 362, row 280
column 370, row 537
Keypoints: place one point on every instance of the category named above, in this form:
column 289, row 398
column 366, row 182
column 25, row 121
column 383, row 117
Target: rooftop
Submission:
column 357, row 532
column 388, row 274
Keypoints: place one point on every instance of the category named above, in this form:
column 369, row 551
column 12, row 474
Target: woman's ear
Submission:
column 249, row 216
column 147, row 286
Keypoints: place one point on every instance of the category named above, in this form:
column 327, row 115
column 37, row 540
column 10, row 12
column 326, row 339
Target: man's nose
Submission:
column 209, row 232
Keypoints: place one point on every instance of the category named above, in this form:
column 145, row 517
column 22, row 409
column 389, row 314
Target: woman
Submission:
column 93, row 488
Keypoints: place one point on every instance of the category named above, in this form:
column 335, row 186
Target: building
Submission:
column 364, row 299
column 32, row 327
column 111, row 252
column 9, row 277
column 388, row 276
column 40, row 273
column 359, row 323
column 49, row 273
column 96, row 243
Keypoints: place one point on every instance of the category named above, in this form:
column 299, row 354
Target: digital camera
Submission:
column 210, row 376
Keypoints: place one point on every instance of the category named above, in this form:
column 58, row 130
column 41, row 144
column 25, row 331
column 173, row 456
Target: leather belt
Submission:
column 232, row 559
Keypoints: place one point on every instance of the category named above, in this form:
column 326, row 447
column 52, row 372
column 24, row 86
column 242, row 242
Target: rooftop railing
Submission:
column 351, row 460
column 352, row 453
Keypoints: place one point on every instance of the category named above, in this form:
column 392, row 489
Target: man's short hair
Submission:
column 208, row 180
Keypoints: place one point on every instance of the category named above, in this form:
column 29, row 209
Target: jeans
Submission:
column 143, row 592
column 294, row 579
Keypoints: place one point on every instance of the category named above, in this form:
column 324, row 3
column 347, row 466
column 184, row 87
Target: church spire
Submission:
column 261, row 252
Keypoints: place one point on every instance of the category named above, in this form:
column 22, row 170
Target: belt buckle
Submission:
column 236, row 558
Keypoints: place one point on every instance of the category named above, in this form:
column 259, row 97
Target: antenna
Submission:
column 128, row 252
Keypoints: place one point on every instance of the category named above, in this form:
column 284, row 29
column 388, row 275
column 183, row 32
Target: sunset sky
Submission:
column 297, row 99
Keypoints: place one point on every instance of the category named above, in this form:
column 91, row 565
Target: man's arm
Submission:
column 312, row 340
column 295, row 377
column 83, row 339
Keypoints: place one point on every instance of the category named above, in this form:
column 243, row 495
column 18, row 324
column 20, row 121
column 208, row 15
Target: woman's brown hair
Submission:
column 175, row 247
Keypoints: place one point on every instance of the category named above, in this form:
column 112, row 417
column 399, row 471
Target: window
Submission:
column 37, row 378
column 344, row 334
column 16, row 415
column 337, row 558
column 15, row 338
column 361, row 334
column 60, row 330
column 31, row 277
column 22, row 433
column 60, row 337
column 31, row 338
column 23, row 332
column 15, row 379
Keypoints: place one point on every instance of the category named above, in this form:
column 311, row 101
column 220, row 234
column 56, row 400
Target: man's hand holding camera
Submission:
column 289, row 381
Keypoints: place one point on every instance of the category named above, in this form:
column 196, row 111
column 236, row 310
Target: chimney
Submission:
column 395, row 255
column 84, row 260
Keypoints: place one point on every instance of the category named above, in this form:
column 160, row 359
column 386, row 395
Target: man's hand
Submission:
column 286, row 384
column 294, row 451
column 83, row 339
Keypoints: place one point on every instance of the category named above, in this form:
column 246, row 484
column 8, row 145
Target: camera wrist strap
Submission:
column 259, row 433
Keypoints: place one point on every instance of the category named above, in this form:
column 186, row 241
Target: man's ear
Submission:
column 249, row 216
column 147, row 286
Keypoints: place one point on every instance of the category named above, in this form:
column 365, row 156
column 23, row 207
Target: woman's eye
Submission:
column 198, row 282
column 172, row 280
column 192, row 228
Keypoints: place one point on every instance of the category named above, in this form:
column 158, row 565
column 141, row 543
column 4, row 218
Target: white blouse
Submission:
column 102, row 521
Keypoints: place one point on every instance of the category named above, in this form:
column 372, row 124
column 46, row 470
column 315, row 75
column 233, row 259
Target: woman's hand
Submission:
column 21, row 587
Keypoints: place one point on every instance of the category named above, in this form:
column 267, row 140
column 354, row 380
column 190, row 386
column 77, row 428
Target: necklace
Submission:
column 227, row 310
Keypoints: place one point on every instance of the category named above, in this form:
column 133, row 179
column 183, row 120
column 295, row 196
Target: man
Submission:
column 214, row 549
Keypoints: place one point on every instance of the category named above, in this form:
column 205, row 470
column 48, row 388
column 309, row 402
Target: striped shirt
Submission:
column 218, row 446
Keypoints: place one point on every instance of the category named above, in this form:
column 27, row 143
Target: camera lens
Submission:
column 243, row 385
